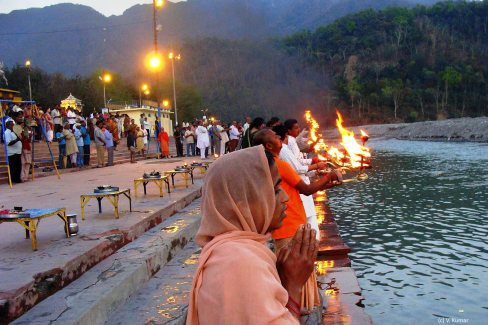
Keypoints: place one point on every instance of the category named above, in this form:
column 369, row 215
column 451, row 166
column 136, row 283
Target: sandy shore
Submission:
column 461, row 129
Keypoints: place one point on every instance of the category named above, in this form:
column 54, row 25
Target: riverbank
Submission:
column 457, row 130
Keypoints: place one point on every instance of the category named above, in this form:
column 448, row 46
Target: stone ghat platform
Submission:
column 338, row 282
column 28, row 277
column 149, row 280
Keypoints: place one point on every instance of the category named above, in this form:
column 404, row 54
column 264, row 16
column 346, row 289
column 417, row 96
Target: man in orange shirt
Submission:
column 293, row 185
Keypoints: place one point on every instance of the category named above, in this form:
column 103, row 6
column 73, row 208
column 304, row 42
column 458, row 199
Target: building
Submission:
column 149, row 109
column 73, row 102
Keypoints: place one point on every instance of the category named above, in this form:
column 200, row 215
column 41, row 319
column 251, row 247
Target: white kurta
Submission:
column 203, row 141
column 287, row 155
column 292, row 144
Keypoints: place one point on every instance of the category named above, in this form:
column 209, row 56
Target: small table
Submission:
column 112, row 197
column 159, row 182
column 201, row 168
column 188, row 173
column 36, row 215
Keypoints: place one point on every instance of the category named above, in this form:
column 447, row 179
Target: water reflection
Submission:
column 418, row 231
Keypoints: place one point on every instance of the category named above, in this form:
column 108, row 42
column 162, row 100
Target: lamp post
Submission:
column 205, row 110
column 144, row 88
column 105, row 78
column 174, row 57
column 28, row 66
column 155, row 61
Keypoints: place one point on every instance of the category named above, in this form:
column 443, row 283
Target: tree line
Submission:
column 397, row 64
column 402, row 64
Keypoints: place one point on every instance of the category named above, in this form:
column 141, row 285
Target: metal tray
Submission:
column 151, row 176
column 15, row 215
column 106, row 190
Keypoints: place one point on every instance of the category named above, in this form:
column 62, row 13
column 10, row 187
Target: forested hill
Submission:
column 76, row 39
column 399, row 63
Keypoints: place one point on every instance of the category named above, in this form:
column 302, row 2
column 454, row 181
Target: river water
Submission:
column 418, row 228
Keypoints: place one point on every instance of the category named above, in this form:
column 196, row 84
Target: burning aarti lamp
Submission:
column 353, row 157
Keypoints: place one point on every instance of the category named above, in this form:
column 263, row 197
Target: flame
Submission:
column 353, row 154
column 355, row 151
column 314, row 127
column 323, row 266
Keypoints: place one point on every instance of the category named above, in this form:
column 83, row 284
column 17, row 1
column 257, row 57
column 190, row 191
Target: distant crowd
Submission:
column 74, row 133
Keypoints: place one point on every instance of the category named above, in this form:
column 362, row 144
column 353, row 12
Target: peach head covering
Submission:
column 238, row 195
column 236, row 281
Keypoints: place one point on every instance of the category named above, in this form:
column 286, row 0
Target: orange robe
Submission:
column 114, row 129
column 164, row 143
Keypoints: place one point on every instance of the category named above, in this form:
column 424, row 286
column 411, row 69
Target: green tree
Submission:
column 393, row 89
column 451, row 77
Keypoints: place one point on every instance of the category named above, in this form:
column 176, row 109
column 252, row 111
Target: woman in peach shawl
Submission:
column 164, row 143
column 239, row 280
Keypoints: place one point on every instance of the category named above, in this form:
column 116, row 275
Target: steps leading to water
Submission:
column 94, row 297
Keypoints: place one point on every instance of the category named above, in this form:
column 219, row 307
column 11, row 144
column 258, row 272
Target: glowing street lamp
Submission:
column 158, row 4
column 174, row 57
column 143, row 89
column 105, row 78
column 155, row 62
column 166, row 103
column 28, row 66
column 205, row 111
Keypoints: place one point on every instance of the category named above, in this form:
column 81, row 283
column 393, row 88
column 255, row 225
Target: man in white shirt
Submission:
column 56, row 116
column 203, row 140
column 247, row 124
column 217, row 130
column 71, row 115
column 234, row 136
column 147, row 127
column 291, row 126
column 14, row 148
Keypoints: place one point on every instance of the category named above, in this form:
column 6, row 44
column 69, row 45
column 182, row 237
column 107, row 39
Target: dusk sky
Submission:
column 106, row 7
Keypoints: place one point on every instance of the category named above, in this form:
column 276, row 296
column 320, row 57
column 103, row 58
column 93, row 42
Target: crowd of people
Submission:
column 74, row 134
column 213, row 137
column 272, row 195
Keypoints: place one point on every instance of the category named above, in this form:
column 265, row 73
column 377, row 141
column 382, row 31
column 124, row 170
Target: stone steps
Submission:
column 94, row 297
column 164, row 299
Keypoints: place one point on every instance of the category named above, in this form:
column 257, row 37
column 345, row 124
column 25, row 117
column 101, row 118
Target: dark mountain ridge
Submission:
column 76, row 39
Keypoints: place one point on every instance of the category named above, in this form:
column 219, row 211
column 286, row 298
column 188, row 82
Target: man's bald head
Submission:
column 269, row 140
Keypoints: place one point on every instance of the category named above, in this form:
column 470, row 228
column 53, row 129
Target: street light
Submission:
column 166, row 103
column 28, row 66
column 205, row 110
column 144, row 88
column 174, row 57
column 105, row 78
column 155, row 60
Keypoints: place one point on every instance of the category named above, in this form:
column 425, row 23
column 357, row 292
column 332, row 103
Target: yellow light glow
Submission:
column 147, row 92
column 107, row 78
column 166, row 103
column 27, row 63
column 159, row 3
column 144, row 87
column 154, row 61
column 172, row 56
